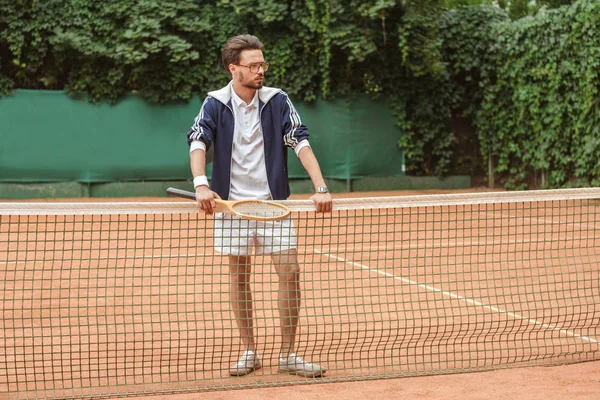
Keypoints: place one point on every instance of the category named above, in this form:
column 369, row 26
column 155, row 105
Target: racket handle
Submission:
column 222, row 205
column 181, row 193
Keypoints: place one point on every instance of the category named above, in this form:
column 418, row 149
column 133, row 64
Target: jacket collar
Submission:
column 224, row 94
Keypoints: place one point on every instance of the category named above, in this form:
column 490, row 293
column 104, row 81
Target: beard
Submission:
column 252, row 84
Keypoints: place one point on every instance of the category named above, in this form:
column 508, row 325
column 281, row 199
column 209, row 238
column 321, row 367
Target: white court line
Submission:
column 18, row 262
column 464, row 299
column 512, row 215
column 433, row 243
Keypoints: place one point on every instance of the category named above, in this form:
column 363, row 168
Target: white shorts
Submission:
column 237, row 237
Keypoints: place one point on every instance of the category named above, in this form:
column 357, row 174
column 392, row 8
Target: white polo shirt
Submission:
column 248, row 168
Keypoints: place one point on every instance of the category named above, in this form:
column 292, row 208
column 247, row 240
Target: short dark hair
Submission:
column 235, row 45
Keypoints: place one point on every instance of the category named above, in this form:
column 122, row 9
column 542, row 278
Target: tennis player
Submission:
column 249, row 127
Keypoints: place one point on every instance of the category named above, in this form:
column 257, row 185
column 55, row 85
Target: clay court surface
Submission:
column 577, row 381
column 338, row 248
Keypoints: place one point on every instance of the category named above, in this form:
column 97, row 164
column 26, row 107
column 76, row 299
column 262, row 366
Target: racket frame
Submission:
column 228, row 206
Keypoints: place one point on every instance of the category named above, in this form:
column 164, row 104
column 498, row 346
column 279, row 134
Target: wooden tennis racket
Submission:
column 257, row 210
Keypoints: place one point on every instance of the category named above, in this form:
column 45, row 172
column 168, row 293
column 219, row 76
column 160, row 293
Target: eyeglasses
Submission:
column 256, row 66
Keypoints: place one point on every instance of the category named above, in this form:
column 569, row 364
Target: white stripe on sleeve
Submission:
column 290, row 140
column 198, row 131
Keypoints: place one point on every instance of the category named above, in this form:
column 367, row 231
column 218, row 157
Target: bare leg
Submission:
column 288, row 270
column 241, row 298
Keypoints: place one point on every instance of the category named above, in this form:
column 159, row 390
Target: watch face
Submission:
column 322, row 189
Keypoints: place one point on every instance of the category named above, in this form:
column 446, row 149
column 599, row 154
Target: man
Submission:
column 250, row 126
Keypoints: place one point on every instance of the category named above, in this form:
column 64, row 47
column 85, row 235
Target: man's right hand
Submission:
column 206, row 199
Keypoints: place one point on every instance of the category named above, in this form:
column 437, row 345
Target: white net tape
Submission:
column 186, row 207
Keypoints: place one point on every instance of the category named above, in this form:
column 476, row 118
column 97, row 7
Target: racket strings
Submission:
column 259, row 209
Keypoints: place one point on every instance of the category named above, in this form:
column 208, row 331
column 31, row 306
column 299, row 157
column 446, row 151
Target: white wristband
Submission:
column 200, row 181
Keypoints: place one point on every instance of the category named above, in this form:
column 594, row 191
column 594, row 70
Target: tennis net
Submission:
column 120, row 298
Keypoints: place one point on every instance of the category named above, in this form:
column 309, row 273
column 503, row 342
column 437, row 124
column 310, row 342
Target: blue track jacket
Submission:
column 281, row 127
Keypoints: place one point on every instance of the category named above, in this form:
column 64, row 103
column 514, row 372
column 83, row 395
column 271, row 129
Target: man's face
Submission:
column 242, row 73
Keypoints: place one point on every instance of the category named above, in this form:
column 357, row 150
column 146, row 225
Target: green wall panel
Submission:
column 47, row 136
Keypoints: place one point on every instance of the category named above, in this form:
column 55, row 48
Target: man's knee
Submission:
column 239, row 269
column 289, row 271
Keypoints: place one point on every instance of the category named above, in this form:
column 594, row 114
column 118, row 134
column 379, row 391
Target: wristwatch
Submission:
column 322, row 189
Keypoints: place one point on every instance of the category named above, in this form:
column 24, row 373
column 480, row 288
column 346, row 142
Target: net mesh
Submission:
column 114, row 299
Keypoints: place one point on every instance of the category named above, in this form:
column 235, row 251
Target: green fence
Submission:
column 82, row 149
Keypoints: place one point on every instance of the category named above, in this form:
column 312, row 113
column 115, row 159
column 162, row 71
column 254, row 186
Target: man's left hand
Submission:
column 323, row 202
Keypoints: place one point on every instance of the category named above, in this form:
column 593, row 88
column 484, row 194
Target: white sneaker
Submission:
column 294, row 364
column 248, row 362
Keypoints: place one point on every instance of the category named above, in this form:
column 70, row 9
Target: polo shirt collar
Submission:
column 239, row 102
